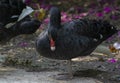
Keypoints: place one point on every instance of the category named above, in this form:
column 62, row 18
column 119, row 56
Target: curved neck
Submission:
column 55, row 17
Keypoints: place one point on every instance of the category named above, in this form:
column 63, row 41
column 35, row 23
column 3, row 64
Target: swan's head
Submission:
column 54, row 25
column 54, row 11
column 55, row 17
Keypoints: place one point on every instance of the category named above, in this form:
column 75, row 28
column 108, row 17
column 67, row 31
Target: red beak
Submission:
column 52, row 44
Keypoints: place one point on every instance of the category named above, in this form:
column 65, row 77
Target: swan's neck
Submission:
column 55, row 18
column 55, row 23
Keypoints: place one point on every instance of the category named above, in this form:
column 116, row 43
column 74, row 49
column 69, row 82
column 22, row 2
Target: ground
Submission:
column 20, row 63
column 12, row 75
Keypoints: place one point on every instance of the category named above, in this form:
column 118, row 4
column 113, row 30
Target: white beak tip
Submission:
column 53, row 48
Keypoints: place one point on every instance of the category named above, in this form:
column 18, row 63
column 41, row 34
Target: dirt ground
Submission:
column 20, row 63
column 12, row 75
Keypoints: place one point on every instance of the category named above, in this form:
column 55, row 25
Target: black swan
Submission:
column 25, row 26
column 72, row 39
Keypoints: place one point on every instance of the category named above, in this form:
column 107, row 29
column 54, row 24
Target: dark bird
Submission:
column 10, row 10
column 76, row 38
column 25, row 26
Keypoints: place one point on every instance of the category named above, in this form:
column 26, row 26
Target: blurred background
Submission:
column 100, row 9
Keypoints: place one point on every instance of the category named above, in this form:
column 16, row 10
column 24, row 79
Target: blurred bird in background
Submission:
column 23, row 20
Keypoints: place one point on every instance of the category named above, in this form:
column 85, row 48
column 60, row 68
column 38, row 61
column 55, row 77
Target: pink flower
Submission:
column 99, row 14
column 64, row 14
column 107, row 9
column 44, row 6
column 112, row 60
column 114, row 17
column 23, row 44
column 46, row 20
column 76, row 16
column 83, row 14
column 80, row 15
column 65, row 17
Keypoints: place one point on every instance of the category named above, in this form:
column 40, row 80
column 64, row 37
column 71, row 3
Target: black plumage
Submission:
column 76, row 38
column 10, row 10
column 25, row 26
column 72, row 39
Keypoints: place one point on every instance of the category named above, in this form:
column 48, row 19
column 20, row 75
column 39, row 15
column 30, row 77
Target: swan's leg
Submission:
column 70, row 69
column 68, row 75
